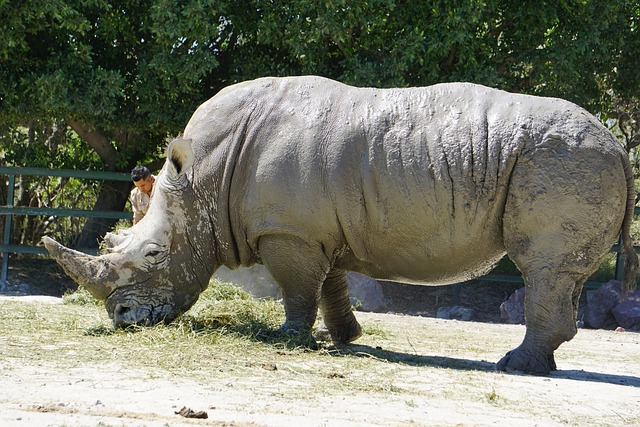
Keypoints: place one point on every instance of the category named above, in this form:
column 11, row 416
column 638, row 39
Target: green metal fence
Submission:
column 10, row 210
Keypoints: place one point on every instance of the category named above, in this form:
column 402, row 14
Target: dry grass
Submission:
column 226, row 331
column 229, row 345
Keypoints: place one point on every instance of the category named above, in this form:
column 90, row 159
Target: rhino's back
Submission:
column 405, row 184
column 433, row 167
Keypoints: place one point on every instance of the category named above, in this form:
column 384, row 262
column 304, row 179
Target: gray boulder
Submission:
column 598, row 313
column 512, row 310
column 255, row 279
column 627, row 313
column 365, row 293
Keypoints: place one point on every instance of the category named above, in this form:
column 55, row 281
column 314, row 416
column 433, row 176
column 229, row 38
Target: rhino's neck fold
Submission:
column 225, row 159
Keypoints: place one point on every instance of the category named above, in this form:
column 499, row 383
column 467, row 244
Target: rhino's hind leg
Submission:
column 551, row 304
column 336, row 309
column 299, row 269
column 561, row 217
column 556, row 231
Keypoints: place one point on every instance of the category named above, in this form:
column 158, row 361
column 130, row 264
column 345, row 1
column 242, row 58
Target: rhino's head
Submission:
column 157, row 269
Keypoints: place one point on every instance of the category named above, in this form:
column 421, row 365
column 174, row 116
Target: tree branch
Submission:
column 98, row 141
column 633, row 142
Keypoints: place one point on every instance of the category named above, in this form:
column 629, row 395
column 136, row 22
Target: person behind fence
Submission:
column 140, row 196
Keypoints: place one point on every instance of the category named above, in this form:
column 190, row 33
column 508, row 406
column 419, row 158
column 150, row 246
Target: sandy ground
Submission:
column 450, row 382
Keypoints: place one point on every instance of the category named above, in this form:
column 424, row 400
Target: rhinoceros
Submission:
column 432, row 185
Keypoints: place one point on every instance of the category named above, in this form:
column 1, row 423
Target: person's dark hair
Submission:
column 140, row 172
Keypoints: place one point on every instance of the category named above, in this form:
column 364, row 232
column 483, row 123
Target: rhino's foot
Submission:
column 294, row 328
column 340, row 334
column 299, row 335
column 345, row 334
column 528, row 362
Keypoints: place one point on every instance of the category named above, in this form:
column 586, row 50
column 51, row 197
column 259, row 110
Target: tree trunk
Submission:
column 113, row 197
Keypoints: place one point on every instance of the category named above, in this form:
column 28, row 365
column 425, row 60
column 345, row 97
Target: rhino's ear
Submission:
column 179, row 157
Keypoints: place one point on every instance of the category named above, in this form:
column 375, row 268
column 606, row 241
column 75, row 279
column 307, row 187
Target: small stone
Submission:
column 190, row 413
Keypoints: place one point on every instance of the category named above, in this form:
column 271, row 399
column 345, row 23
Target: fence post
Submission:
column 7, row 234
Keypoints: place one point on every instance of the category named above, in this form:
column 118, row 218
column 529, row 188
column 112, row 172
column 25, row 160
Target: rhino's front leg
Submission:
column 336, row 309
column 299, row 268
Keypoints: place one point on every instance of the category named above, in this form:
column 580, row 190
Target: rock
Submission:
column 512, row 310
column 255, row 279
column 190, row 413
column 598, row 313
column 455, row 312
column 627, row 313
column 366, row 293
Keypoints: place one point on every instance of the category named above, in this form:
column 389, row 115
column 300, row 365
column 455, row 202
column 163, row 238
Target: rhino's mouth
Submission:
column 127, row 314
column 126, row 308
column 136, row 305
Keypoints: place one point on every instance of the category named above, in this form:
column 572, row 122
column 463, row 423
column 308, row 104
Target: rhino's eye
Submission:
column 152, row 250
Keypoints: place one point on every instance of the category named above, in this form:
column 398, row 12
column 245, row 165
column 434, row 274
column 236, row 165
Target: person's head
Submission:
column 142, row 178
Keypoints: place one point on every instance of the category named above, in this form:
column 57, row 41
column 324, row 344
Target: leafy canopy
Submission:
column 126, row 75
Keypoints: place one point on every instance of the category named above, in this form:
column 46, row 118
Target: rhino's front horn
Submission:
column 88, row 271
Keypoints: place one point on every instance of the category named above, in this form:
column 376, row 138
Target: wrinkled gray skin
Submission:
column 434, row 185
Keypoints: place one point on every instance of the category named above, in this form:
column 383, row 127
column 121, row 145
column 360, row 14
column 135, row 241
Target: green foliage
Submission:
column 556, row 48
column 132, row 72
column 48, row 145
column 143, row 66
column 124, row 71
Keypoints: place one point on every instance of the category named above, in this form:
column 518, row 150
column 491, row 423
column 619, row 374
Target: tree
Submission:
column 587, row 51
column 124, row 77
column 558, row 48
column 120, row 76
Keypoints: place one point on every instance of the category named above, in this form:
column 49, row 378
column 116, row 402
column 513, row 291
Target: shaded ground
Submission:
column 40, row 276
column 483, row 297
column 37, row 276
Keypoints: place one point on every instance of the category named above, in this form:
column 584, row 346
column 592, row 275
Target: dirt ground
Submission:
column 407, row 371
column 449, row 380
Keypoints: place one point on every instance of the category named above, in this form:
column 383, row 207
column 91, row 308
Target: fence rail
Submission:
column 10, row 210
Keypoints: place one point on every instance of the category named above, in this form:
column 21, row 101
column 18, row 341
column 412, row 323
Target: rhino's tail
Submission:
column 628, row 252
